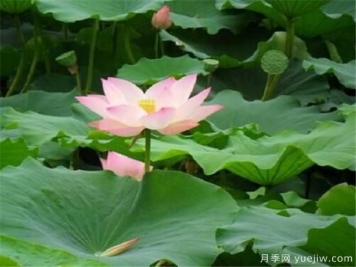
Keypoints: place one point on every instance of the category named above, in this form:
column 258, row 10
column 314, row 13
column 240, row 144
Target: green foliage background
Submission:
column 269, row 174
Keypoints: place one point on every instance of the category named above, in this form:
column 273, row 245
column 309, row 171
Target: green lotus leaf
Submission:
column 336, row 9
column 296, row 8
column 285, row 231
column 33, row 254
column 302, row 85
column 203, row 14
column 38, row 129
column 14, row 152
column 106, row 10
column 259, row 6
column 281, row 113
column 305, row 25
column 66, row 132
column 345, row 72
column 347, row 110
column 244, row 49
column 15, row 6
column 149, row 71
column 5, row 261
column 305, row 28
column 269, row 160
column 55, row 104
column 59, row 217
column 336, row 241
column 340, row 199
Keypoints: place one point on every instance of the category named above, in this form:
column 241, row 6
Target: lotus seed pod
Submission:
column 67, row 59
column 274, row 62
column 210, row 65
column 15, row 6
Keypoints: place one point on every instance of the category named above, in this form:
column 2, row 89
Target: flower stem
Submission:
column 289, row 37
column 65, row 31
column 38, row 46
column 23, row 55
column 147, row 150
column 157, row 45
column 270, row 87
column 79, row 83
column 208, row 80
column 91, row 56
column 32, row 69
column 162, row 46
column 127, row 45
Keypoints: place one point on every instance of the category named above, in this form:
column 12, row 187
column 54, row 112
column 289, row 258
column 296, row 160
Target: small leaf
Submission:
column 63, row 217
column 203, row 14
column 149, row 71
column 14, row 152
column 340, row 199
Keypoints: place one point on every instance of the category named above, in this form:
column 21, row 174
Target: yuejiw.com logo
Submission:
column 312, row 259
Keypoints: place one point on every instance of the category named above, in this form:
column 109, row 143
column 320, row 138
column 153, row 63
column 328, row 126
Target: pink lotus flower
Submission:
column 162, row 19
column 124, row 166
column 166, row 107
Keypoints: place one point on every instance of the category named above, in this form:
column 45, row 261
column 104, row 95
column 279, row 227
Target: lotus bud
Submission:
column 162, row 19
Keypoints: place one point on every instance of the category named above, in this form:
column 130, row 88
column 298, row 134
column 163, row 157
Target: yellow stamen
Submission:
column 149, row 105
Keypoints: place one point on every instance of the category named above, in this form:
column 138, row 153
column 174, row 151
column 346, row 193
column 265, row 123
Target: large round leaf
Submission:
column 109, row 10
column 203, row 14
column 305, row 25
column 56, row 104
column 281, row 113
column 41, row 130
column 340, row 199
column 269, row 159
column 336, row 9
column 296, row 8
column 284, row 232
column 80, row 214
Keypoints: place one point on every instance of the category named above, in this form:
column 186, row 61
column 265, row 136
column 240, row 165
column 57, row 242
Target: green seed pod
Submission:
column 15, row 6
column 67, row 59
column 274, row 62
column 210, row 65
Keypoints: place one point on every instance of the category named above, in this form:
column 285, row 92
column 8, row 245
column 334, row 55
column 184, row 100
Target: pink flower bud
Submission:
column 162, row 19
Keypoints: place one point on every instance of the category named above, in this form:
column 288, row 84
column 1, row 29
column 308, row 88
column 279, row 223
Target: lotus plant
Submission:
column 123, row 166
column 166, row 107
